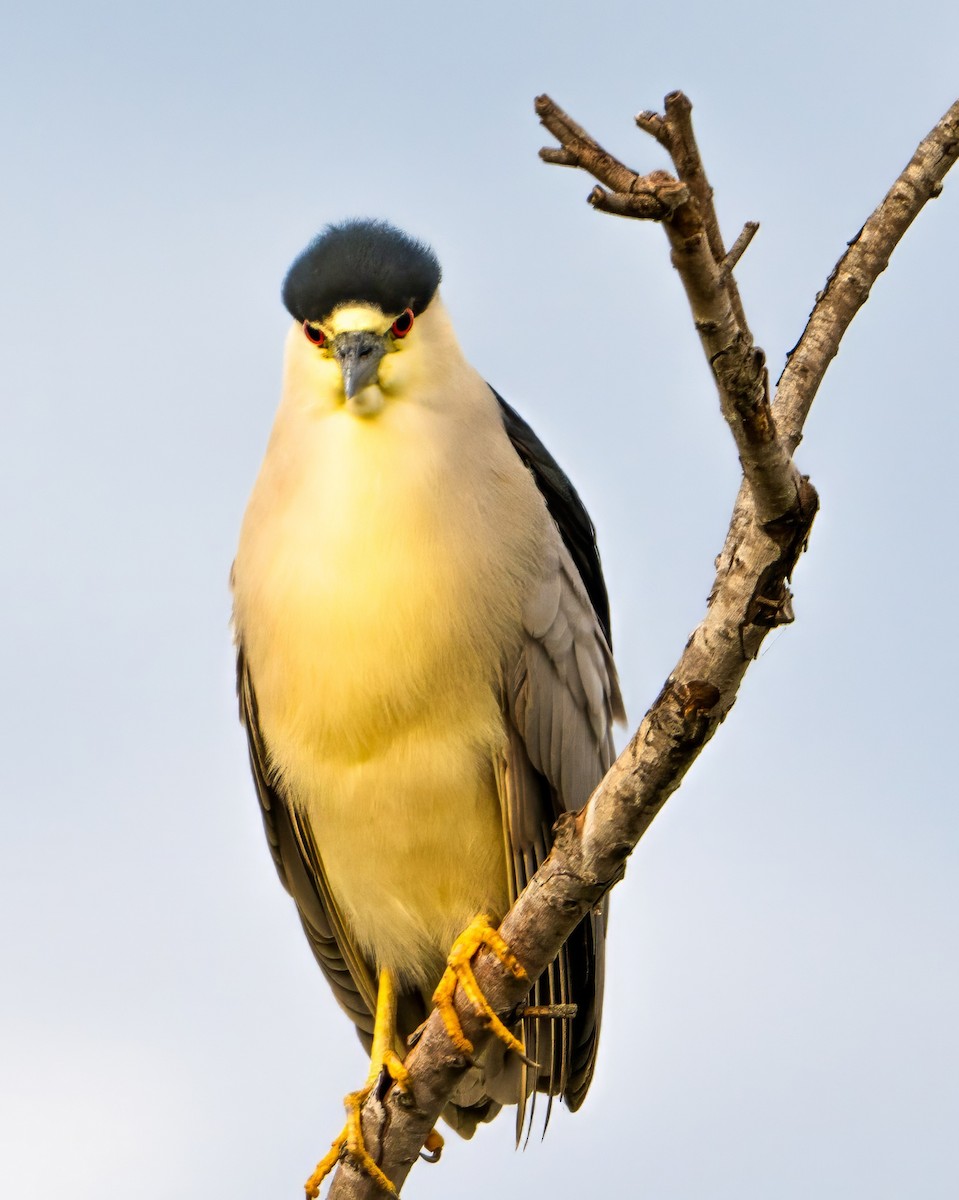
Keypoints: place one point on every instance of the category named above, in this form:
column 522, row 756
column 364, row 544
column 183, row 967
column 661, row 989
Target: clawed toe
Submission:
column 480, row 935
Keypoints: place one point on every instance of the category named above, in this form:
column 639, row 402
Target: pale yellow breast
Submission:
column 376, row 599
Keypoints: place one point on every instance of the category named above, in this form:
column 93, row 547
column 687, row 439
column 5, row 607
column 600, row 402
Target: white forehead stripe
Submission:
column 352, row 318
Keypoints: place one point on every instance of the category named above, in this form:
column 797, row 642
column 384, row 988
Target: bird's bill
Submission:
column 358, row 354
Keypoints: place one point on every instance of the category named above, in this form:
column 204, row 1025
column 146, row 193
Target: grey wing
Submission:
column 300, row 868
column 563, row 697
column 562, row 700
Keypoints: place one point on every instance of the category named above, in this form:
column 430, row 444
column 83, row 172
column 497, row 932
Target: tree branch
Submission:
column 688, row 216
column 847, row 288
column 768, row 531
column 740, row 245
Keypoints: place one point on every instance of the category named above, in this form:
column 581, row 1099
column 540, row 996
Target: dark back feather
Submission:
column 565, row 507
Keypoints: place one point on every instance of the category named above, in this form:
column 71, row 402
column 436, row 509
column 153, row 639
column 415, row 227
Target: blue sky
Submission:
column 783, row 975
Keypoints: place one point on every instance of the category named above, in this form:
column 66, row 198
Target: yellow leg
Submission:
column 479, row 936
column 384, row 1057
column 384, row 1037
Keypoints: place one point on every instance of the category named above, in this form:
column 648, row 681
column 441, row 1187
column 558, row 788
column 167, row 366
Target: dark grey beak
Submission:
column 359, row 357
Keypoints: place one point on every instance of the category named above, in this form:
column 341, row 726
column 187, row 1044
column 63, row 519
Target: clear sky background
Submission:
column 783, row 971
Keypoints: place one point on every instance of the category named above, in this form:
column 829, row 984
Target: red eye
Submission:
column 314, row 334
column 403, row 324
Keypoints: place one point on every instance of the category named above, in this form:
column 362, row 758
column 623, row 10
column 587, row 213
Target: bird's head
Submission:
column 356, row 294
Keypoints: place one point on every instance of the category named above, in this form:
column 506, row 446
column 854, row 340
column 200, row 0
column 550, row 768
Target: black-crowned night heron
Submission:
column 424, row 667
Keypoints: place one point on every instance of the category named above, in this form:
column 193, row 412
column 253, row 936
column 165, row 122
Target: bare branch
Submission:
column 684, row 207
column 653, row 124
column 739, row 246
column 559, row 158
column 579, row 147
column 847, row 288
column 749, row 596
column 689, row 167
column 653, row 197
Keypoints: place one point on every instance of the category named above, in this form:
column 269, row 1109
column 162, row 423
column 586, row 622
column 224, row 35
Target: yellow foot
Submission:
column 432, row 1147
column 479, row 936
column 350, row 1143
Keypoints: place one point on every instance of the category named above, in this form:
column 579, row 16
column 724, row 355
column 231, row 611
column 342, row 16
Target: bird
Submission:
column 424, row 672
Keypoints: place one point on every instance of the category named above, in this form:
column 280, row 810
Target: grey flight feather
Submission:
column 562, row 697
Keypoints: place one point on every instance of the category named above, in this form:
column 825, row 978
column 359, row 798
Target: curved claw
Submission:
column 480, row 935
column 432, row 1147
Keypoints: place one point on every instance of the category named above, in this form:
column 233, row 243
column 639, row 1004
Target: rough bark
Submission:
column 768, row 530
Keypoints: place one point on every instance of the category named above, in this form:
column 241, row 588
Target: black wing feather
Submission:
column 565, row 507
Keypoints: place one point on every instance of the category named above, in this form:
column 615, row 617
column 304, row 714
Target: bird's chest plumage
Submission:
column 381, row 633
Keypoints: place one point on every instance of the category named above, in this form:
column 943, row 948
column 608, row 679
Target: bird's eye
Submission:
column 403, row 324
column 314, row 333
